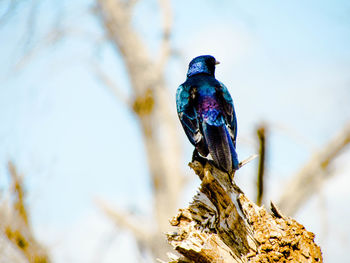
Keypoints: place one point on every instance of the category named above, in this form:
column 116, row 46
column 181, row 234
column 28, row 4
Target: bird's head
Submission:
column 202, row 64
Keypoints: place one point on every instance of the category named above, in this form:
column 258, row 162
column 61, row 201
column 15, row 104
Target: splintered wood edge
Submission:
column 195, row 244
column 279, row 237
column 248, row 160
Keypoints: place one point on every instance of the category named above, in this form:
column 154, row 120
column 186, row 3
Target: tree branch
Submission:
column 108, row 82
column 50, row 39
column 126, row 221
column 312, row 176
column 14, row 223
column 223, row 225
column 10, row 10
column 152, row 106
column 261, row 170
column 166, row 32
column 18, row 194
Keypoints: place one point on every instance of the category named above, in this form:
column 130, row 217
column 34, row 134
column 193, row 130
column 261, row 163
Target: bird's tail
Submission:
column 220, row 145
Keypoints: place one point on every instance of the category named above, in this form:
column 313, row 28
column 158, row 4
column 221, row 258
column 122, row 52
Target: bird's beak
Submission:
column 217, row 62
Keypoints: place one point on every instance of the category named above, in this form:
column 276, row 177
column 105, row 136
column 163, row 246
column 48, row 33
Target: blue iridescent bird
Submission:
column 205, row 109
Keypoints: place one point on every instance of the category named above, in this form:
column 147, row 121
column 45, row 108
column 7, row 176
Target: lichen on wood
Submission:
column 223, row 225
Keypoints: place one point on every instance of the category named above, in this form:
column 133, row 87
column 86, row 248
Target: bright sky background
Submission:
column 285, row 62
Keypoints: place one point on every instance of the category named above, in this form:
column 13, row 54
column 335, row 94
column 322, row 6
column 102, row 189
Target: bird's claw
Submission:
column 196, row 157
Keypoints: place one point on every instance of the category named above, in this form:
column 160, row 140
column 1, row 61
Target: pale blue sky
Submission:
column 285, row 62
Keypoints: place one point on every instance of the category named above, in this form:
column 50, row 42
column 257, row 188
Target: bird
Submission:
column 206, row 111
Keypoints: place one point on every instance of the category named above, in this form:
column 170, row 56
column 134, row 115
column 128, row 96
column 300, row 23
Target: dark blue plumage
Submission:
column 206, row 112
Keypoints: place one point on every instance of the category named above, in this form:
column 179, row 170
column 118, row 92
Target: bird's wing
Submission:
column 229, row 111
column 187, row 114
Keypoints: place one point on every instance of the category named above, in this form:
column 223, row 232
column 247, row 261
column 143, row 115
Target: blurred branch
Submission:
column 131, row 3
column 18, row 193
column 314, row 173
column 153, row 109
column 9, row 11
column 126, row 221
column 247, row 160
column 151, row 103
column 166, row 32
column 296, row 136
column 15, row 225
column 51, row 38
column 108, row 82
column 261, row 132
column 116, row 16
column 31, row 22
column 147, row 238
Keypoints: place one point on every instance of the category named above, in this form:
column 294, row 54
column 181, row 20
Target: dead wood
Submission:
column 223, row 225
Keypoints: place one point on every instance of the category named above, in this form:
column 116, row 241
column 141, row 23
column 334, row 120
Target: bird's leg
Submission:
column 196, row 157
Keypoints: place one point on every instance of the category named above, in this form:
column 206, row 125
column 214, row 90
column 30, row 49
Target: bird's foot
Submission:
column 197, row 157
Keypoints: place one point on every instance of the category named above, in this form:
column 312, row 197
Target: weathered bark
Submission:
column 223, row 225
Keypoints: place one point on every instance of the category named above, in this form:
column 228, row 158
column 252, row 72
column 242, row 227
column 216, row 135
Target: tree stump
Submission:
column 223, row 225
